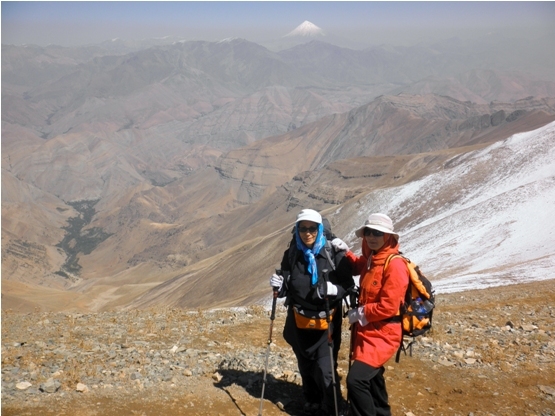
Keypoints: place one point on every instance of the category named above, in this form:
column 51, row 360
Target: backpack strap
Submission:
column 293, row 256
column 391, row 257
column 403, row 348
column 327, row 252
column 414, row 280
column 402, row 344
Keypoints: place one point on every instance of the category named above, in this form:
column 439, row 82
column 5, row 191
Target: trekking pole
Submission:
column 353, row 300
column 272, row 317
column 330, row 345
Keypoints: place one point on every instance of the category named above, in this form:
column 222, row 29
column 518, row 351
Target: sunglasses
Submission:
column 310, row 230
column 375, row 233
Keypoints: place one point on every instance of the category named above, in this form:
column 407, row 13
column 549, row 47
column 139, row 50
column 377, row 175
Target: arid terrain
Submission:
column 149, row 190
column 145, row 175
column 491, row 352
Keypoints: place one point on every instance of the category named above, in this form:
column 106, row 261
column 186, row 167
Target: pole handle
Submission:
column 325, row 276
column 274, row 297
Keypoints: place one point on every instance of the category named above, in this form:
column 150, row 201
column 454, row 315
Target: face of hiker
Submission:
column 308, row 231
column 374, row 238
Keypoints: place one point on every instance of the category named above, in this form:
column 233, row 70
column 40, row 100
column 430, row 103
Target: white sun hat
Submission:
column 309, row 215
column 380, row 222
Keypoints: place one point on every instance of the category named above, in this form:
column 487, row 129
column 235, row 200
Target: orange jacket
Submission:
column 381, row 294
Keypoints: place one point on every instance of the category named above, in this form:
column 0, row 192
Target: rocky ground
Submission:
column 492, row 352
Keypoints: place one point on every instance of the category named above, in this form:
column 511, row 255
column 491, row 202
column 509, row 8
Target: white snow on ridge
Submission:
column 228, row 40
column 486, row 219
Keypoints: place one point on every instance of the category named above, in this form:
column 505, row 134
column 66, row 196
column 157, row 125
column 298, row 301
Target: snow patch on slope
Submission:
column 486, row 219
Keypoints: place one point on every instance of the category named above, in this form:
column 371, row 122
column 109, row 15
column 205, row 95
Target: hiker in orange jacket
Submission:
column 376, row 329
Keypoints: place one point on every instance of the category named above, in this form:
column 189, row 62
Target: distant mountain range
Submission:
column 171, row 174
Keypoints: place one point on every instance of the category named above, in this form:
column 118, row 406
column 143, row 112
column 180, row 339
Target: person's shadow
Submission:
column 290, row 395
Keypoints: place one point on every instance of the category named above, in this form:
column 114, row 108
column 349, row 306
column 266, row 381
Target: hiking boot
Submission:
column 327, row 413
column 311, row 408
column 323, row 412
column 343, row 410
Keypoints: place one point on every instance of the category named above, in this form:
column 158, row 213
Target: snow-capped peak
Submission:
column 306, row 28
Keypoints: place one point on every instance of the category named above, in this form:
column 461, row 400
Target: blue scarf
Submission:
column 310, row 253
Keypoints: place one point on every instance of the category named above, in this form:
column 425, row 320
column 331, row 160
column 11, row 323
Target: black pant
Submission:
column 366, row 390
column 317, row 379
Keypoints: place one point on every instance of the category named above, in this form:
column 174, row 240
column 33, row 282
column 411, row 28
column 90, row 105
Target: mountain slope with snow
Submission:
column 485, row 219
column 307, row 29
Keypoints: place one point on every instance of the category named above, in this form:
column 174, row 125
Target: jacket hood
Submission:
column 391, row 244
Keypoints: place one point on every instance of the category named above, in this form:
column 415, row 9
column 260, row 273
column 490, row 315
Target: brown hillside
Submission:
column 150, row 231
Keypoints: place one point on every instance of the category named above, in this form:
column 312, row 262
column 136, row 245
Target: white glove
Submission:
column 330, row 290
column 339, row 244
column 357, row 316
column 276, row 281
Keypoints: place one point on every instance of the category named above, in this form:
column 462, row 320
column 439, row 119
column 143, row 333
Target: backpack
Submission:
column 327, row 229
column 418, row 306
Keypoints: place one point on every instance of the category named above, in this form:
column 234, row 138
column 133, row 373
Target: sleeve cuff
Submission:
column 362, row 317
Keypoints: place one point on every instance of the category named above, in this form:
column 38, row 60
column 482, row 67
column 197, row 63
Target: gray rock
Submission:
column 529, row 328
column 81, row 388
column 24, row 385
column 51, row 386
column 547, row 390
column 136, row 376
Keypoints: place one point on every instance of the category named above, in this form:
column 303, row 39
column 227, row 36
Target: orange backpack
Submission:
column 418, row 306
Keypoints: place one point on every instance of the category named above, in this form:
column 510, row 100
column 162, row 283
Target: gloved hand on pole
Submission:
column 276, row 281
column 357, row 316
column 325, row 289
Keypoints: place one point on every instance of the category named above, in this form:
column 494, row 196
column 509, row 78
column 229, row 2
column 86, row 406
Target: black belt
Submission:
column 396, row 318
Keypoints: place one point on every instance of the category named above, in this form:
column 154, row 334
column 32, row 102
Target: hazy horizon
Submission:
column 82, row 23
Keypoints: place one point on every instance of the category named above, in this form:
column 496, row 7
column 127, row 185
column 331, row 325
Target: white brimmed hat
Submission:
column 309, row 215
column 380, row 222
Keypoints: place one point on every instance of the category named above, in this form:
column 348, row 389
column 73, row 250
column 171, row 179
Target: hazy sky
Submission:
column 75, row 23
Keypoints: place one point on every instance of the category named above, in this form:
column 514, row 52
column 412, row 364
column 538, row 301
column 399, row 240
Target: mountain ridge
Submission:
column 192, row 152
column 183, row 289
